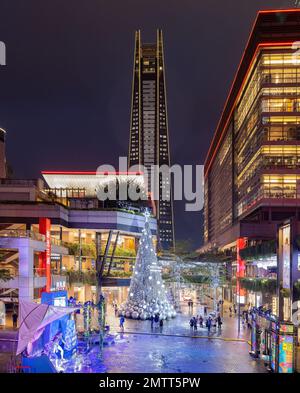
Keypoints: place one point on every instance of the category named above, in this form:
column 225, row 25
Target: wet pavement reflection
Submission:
column 141, row 349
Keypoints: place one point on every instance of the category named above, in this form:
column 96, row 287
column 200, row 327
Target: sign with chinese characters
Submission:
column 44, row 228
column 241, row 266
column 286, row 256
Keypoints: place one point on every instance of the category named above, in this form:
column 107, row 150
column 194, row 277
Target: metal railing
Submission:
column 21, row 182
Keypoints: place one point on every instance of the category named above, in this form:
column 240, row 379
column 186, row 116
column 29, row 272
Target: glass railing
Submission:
column 20, row 233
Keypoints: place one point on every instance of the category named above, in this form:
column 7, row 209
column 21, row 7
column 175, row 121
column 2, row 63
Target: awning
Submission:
column 34, row 318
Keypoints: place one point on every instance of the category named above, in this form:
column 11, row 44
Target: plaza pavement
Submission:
column 179, row 326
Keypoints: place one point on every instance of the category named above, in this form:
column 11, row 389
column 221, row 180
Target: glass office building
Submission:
column 252, row 170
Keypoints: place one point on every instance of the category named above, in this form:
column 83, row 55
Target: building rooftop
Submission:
column 89, row 181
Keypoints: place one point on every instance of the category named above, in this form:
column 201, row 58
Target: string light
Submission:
column 146, row 296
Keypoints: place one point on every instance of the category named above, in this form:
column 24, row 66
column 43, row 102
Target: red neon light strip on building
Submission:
column 89, row 173
column 279, row 11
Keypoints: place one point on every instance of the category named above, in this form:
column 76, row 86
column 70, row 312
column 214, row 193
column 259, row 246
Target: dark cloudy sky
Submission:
column 65, row 92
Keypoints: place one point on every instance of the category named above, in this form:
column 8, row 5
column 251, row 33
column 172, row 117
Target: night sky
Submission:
column 65, row 92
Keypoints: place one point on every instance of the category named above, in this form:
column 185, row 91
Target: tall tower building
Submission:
column 149, row 139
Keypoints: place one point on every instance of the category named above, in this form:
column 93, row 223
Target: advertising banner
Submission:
column 286, row 354
column 44, row 228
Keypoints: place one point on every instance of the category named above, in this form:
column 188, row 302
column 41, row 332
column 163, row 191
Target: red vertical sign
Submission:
column 45, row 257
column 240, row 245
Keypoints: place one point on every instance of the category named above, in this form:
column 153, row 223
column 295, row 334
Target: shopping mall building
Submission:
column 52, row 229
column 252, row 169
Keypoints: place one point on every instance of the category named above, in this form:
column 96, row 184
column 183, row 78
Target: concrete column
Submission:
column 80, row 251
column 60, row 257
column 26, row 273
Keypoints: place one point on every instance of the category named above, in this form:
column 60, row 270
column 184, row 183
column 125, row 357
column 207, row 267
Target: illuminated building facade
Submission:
column 77, row 223
column 252, row 170
column 149, row 139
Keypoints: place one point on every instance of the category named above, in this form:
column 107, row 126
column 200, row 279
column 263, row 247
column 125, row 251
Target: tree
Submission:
column 5, row 275
column 147, row 293
column 183, row 247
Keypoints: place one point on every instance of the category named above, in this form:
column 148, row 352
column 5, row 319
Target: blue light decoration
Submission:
column 273, row 350
column 70, row 339
column 58, row 299
column 87, row 318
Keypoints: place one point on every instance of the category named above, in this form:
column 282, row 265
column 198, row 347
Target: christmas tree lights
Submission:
column 147, row 293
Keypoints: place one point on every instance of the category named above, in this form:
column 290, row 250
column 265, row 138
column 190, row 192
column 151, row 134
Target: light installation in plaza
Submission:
column 147, row 294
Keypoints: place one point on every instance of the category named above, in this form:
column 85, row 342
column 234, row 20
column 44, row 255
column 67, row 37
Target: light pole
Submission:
column 239, row 305
column 100, row 301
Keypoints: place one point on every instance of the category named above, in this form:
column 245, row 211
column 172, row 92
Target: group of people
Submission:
column 190, row 305
column 209, row 322
column 234, row 309
column 245, row 314
column 156, row 321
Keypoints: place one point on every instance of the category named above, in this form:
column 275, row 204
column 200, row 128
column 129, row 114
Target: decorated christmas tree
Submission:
column 147, row 294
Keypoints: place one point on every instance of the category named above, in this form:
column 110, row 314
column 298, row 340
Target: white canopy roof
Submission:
column 90, row 181
column 34, row 318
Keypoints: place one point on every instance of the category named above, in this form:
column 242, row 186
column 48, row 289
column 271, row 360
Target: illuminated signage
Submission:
column 273, row 349
column 44, row 228
column 60, row 302
column 286, row 354
column 286, row 256
column 241, row 244
column 287, row 329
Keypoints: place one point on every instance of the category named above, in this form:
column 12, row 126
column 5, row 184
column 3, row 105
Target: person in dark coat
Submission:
column 219, row 319
column 192, row 323
column 15, row 319
column 208, row 324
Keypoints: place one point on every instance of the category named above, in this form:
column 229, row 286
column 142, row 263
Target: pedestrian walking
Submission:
column 247, row 317
column 116, row 309
column 156, row 320
column 195, row 324
column 15, row 319
column 191, row 323
column 161, row 325
column 152, row 321
column 122, row 320
column 219, row 320
column 208, row 324
column 201, row 321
